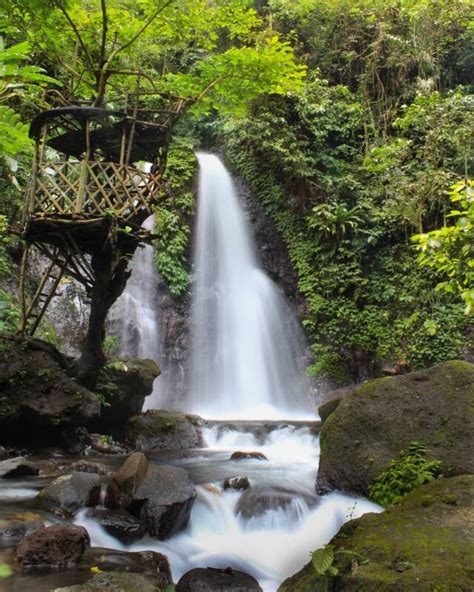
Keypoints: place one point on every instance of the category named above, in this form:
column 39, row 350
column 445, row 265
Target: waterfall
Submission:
column 247, row 347
column 134, row 317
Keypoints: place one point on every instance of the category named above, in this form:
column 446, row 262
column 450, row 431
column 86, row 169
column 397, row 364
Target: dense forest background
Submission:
column 351, row 122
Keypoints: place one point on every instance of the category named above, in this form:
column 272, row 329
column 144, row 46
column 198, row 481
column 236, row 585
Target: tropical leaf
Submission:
column 322, row 559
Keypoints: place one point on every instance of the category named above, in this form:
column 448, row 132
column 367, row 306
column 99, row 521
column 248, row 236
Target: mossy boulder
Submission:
column 383, row 416
column 123, row 386
column 37, row 396
column 157, row 429
column 423, row 544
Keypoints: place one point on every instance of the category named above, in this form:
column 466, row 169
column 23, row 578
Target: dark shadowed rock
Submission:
column 239, row 483
column 217, row 580
column 248, row 455
column 119, row 523
column 164, row 500
column 115, row 582
column 57, row 546
column 332, row 400
column 11, row 531
column 3, row 453
column 37, row 394
column 124, row 384
column 383, row 416
column 164, row 429
column 422, row 544
column 68, row 493
column 105, row 444
column 17, row 467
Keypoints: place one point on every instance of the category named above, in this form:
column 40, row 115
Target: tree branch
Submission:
column 76, row 31
column 103, row 7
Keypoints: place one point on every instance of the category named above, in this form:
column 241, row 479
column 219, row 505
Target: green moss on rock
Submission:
column 411, row 547
column 433, row 406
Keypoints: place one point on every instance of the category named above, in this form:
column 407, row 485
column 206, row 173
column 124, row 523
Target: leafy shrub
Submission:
column 403, row 475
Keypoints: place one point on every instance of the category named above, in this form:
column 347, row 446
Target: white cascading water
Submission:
column 135, row 312
column 247, row 348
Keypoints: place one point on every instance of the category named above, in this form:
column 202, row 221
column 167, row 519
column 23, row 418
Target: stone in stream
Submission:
column 58, row 467
column 158, row 429
column 240, row 483
column 11, row 531
column 119, row 523
column 217, row 580
column 131, row 475
column 114, row 582
column 248, row 455
column 163, row 501
column 17, row 467
column 255, row 502
column 58, row 546
column 68, row 493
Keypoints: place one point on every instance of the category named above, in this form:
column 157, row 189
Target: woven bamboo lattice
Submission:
column 93, row 188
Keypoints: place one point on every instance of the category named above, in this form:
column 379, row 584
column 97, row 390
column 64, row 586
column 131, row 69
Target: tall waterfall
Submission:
column 135, row 314
column 247, row 348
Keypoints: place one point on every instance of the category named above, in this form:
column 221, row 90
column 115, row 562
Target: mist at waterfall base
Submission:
column 247, row 364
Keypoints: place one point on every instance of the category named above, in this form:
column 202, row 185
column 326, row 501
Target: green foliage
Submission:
column 450, row 250
column 404, row 474
column 6, row 570
column 111, row 345
column 322, row 561
column 10, row 313
column 173, row 217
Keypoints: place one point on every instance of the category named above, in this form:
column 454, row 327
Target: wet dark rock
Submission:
column 423, row 543
column 119, row 523
column 105, row 444
column 164, row 429
column 255, row 502
column 3, row 453
column 332, row 400
column 248, row 455
column 17, row 467
column 37, row 395
column 124, row 384
column 381, row 417
column 11, row 531
column 163, row 501
column 74, row 439
column 217, row 580
column 114, row 582
column 239, row 483
column 57, row 546
column 68, row 493
column 59, row 467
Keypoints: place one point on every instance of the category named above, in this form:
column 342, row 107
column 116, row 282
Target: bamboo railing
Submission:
column 92, row 188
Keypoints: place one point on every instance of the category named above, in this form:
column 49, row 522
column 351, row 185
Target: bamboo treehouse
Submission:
column 90, row 192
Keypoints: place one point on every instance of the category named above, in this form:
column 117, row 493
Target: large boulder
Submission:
column 164, row 429
column 68, row 493
column 123, row 385
column 163, row 501
column 383, row 416
column 255, row 502
column 119, row 523
column 130, row 476
column 424, row 543
column 217, row 580
column 58, row 546
column 37, row 395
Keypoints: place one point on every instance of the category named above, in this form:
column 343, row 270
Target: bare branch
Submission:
column 103, row 43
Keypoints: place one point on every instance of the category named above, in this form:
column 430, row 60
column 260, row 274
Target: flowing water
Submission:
column 134, row 317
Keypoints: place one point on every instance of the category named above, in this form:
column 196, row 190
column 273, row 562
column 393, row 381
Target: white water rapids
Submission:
column 246, row 365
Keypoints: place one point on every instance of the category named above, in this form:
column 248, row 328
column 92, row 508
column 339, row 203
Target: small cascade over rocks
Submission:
column 247, row 347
